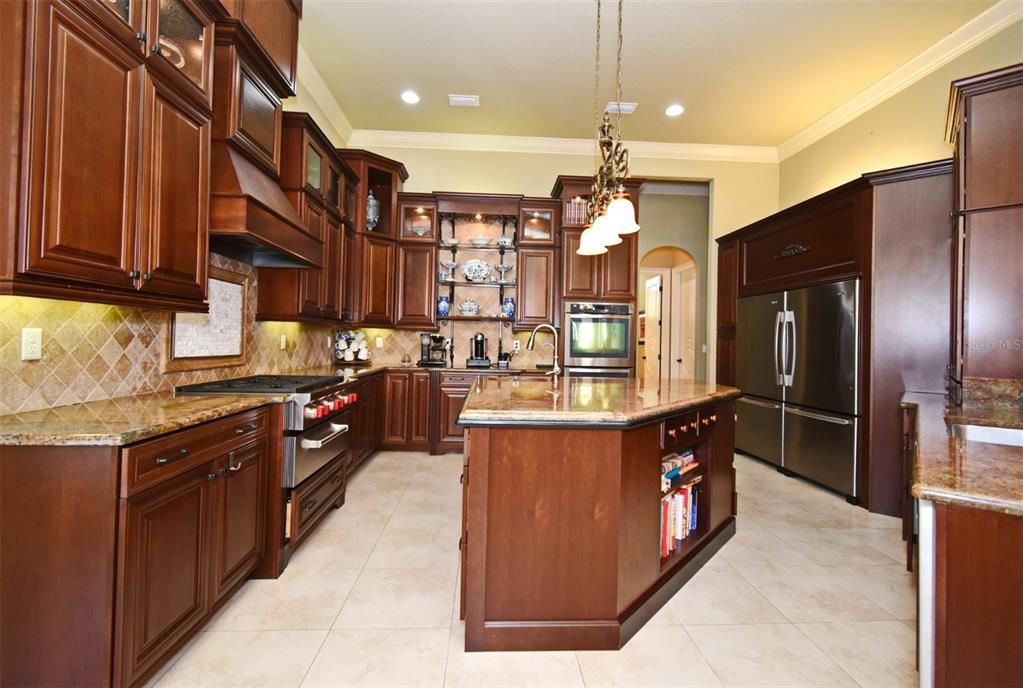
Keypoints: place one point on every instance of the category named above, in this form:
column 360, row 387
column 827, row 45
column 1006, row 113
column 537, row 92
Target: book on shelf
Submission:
column 679, row 515
column 675, row 465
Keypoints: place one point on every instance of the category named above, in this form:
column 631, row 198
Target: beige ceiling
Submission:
column 750, row 73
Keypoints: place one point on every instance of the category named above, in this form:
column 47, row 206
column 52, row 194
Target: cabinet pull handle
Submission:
column 243, row 429
column 336, row 479
column 310, row 506
column 231, row 465
column 211, row 477
column 156, row 48
column 163, row 460
column 146, row 277
column 141, row 35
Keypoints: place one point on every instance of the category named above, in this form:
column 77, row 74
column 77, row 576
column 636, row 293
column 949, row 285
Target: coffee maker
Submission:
column 478, row 352
column 433, row 350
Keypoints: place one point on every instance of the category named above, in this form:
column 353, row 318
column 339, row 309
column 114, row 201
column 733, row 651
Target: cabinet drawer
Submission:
column 814, row 247
column 314, row 498
column 679, row 431
column 459, row 379
column 149, row 463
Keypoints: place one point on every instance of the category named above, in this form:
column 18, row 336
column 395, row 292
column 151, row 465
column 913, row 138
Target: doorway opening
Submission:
column 668, row 315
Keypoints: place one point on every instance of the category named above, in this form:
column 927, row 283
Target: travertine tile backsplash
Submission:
column 94, row 351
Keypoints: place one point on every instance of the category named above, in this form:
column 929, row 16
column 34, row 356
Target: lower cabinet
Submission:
column 187, row 543
column 316, row 496
column 450, row 391
column 406, row 410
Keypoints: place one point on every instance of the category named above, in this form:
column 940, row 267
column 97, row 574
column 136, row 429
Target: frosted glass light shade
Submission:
column 621, row 215
column 589, row 245
column 605, row 231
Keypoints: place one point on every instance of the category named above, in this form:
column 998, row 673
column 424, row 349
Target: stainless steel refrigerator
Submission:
column 797, row 364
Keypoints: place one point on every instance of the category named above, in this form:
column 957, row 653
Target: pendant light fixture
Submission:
column 610, row 213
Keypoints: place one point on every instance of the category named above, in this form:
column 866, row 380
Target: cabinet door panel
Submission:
column 450, row 404
column 84, row 154
column 165, row 569
column 396, row 413
column 181, row 39
column 239, row 511
column 330, row 295
column 417, row 286
column 350, row 276
column 728, row 283
column 309, row 283
column 620, row 269
column 535, row 290
column 175, row 196
column 994, row 147
column 377, row 281
column 580, row 274
column 275, row 25
column 419, row 425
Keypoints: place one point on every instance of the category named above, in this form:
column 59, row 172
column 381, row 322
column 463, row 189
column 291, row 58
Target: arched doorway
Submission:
column 668, row 312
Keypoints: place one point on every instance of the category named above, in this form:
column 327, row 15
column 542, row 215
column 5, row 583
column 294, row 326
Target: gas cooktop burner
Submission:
column 259, row 384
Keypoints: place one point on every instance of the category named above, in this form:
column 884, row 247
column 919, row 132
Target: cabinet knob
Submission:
column 672, row 432
column 141, row 36
column 156, row 48
column 146, row 277
column 134, row 274
column 211, row 477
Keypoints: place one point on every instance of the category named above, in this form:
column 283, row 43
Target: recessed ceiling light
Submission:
column 410, row 97
column 463, row 101
column 614, row 106
column 674, row 110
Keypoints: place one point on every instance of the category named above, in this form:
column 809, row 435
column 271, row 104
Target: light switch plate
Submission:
column 31, row 343
column 380, row 342
column 284, row 342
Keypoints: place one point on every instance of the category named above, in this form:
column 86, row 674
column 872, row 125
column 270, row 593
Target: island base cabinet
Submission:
column 562, row 526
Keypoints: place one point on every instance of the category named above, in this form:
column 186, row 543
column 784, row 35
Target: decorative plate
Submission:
column 476, row 270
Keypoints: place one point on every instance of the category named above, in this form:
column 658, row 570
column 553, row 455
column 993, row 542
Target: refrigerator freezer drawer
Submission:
column 821, row 447
column 758, row 428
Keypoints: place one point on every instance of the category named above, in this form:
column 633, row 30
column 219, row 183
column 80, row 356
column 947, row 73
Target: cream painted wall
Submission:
column 907, row 128
column 739, row 192
column 304, row 102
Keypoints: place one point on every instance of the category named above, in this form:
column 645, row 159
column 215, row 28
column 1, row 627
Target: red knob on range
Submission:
column 354, row 396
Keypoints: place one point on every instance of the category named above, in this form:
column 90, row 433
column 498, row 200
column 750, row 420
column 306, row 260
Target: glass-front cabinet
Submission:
column 418, row 217
column 538, row 222
column 313, row 168
column 181, row 37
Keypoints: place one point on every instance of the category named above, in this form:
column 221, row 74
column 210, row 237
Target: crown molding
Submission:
column 970, row 34
column 317, row 88
column 381, row 138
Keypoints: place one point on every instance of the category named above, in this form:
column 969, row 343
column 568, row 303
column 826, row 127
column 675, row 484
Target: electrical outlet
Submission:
column 284, row 342
column 31, row 343
column 516, row 345
column 380, row 342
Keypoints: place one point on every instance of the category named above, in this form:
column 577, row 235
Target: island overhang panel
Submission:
column 562, row 518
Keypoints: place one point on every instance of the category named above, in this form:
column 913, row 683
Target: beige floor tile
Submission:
column 832, row 546
column 656, row 656
column 400, row 598
column 245, row 658
column 757, row 546
column 766, row 655
column 805, row 594
column 878, row 654
column 335, row 548
column 367, row 512
column 380, row 657
column 301, row 599
column 415, row 549
column 888, row 541
column 508, row 669
column 430, row 510
column 891, row 587
column 720, row 595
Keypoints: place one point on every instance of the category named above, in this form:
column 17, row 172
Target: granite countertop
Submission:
column 578, row 401
column 115, row 422
column 967, row 473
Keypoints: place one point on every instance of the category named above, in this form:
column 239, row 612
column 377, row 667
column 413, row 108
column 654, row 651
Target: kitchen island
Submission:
column 587, row 505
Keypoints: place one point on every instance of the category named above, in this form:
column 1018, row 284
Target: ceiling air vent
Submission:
column 463, row 101
column 614, row 106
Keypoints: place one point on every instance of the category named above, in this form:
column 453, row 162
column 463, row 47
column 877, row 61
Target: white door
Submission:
column 683, row 322
column 652, row 337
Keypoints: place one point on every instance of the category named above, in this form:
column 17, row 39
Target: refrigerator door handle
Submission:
column 817, row 416
column 754, row 402
column 779, row 320
column 789, row 349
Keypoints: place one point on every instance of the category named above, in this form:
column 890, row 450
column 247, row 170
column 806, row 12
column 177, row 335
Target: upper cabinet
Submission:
column 984, row 123
column 539, row 222
column 102, row 211
column 417, row 215
column 274, row 23
column 381, row 178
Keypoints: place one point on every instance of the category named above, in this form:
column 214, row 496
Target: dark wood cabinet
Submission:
column 274, row 23
column 620, row 270
column 450, row 391
column 331, row 277
column 891, row 231
column 539, row 222
column 165, row 570
column 101, row 104
column 580, row 275
column 377, row 280
column 537, row 294
column 316, row 496
column 407, row 410
column 417, row 286
column 417, row 217
column 239, row 506
column 349, row 278
column 987, row 290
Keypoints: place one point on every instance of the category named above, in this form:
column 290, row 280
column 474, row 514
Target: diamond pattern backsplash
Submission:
column 93, row 351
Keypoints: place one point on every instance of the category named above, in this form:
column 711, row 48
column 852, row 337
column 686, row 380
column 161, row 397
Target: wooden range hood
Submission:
column 251, row 218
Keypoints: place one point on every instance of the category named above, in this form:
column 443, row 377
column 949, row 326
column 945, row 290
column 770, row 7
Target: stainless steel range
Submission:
column 317, row 416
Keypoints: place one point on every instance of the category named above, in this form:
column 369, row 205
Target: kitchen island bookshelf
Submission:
column 562, row 505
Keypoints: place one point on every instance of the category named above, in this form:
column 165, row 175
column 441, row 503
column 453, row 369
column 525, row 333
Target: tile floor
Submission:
column 810, row 592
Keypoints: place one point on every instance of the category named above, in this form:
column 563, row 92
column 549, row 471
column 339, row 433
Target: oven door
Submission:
column 600, row 341
column 309, row 451
column 599, row 372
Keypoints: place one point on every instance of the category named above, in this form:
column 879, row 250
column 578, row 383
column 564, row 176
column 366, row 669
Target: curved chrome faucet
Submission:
column 556, row 370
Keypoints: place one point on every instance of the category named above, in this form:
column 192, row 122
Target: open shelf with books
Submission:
column 684, row 499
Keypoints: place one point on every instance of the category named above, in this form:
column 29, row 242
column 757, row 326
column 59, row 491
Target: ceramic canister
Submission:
column 443, row 306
